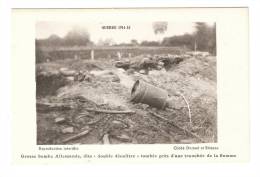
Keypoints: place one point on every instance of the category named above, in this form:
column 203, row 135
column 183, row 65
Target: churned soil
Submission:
column 109, row 88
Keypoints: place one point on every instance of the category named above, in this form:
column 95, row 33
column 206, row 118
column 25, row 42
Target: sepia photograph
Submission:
column 127, row 85
column 123, row 82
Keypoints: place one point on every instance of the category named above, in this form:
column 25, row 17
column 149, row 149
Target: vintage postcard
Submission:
column 130, row 85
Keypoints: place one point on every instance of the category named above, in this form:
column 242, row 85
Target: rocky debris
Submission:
column 148, row 63
column 101, row 73
column 122, row 137
column 93, row 122
column 115, row 79
column 79, row 135
column 198, row 53
column 67, row 72
column 156, row 62
column 118, row 124
column 59, row 120
column 68, row 130
column 186, row 141
column 130, row 71
column 86, row 127
column 142, row 71
column 108, row 75
column 70, row 78
column 186, row 56
column 157, row 72
column 103, row 99
column 83, row 76
column 73, row 75
column 123, row 64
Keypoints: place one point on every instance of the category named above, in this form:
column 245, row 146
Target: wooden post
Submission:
column 195, row 46
column 92, row 54
column 119, row 55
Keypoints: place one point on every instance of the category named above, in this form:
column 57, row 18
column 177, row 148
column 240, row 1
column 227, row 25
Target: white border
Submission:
column 237, row 170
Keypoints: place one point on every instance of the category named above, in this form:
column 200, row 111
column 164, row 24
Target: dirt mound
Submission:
column 147, row 62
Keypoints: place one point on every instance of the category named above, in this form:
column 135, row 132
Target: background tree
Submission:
column 160, row 27
column 150, row 43
column 180, row 40
column 134, row 42
column 106, row 42
column 205, row 37
column 77, row 37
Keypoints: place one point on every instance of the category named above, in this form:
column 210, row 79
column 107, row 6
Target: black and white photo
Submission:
column 126, row 82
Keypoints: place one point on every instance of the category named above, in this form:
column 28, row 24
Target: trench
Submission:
column 49, row 83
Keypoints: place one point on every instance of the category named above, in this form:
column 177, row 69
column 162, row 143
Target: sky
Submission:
column 139, row 31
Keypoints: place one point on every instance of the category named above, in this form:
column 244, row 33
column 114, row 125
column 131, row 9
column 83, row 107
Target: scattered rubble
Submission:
column 70, row 78
column 145, row 64
column 60, row 120
column 197, row 53
column 123, row 64
column 97, row 102
column 67, row 72
column 118, row 124
column 74, row 137
column 122, row 137
column 67, row 130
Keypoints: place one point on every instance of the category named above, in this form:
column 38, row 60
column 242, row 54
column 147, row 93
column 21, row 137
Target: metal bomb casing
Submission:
column 146, row 93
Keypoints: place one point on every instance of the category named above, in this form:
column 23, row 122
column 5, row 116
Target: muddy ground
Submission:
column 65, row 105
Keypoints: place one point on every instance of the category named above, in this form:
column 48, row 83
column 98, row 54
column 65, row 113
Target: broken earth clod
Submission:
column 60, row 120
column 67, row 130
column 67, row 72
column 122, row 137
column 118, row 124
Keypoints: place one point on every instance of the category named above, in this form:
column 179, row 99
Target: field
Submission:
column 82, row 101
column 110, row 52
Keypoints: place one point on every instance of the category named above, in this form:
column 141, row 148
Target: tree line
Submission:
column 203, row 39
column 75, row 37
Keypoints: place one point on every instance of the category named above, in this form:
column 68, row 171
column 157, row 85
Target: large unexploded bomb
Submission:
column 146, row 93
